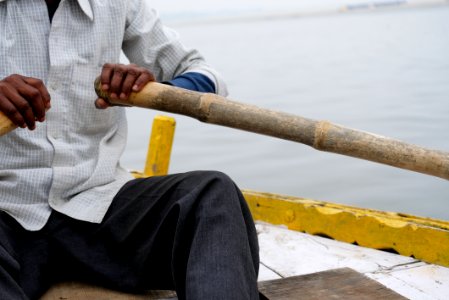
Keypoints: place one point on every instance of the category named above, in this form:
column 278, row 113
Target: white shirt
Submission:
column 70, row 163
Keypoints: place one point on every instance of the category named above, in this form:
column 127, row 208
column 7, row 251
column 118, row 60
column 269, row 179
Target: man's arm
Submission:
column 149, row 44
column 157, row 55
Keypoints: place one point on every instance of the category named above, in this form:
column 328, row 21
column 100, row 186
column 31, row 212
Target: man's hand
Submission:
column 121, row 80
column 24, row 100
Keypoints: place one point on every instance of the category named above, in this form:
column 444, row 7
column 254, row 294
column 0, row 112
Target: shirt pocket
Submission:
column 87, row 118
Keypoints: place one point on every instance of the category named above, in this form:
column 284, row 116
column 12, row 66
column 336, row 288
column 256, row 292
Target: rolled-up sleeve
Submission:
column 148, row 43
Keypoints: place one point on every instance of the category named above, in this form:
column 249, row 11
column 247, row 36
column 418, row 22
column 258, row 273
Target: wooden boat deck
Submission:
column 286, row 253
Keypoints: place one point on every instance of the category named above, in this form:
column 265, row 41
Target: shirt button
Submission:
column 54, row 136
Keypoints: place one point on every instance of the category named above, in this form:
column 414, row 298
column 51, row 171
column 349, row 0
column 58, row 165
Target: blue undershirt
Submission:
column 193, row 81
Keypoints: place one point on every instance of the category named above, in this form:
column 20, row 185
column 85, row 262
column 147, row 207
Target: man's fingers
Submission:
column 128, row 83
column 100, row 103
column 39, row 85
column 26, row 110
column 142, row 80
column 22, row 107
column 24, row 100
column 121, row 80
column 11, row 112
column 118, row 76
column 105, row 77
column 35, row 102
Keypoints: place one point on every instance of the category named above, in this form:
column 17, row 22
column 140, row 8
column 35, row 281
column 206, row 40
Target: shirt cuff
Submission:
column 193, row 81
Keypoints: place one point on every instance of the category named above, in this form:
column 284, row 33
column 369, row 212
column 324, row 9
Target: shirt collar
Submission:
column 85, row 6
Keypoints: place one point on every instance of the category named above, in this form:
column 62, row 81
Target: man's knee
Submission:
column 212, row 176
column 217, row 194
column 215, row 182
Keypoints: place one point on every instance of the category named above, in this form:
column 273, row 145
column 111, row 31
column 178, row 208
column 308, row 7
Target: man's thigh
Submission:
column 131, row 249
column 145, row 239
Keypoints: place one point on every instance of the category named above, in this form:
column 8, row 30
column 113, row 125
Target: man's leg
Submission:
column 9, row 264
column 191, row 232
column 218, row 242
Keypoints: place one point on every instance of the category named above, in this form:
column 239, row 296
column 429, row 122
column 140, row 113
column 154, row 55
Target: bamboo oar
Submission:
column 6, row 125
column 321, row 135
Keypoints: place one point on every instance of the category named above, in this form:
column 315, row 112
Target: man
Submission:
column 68, row 210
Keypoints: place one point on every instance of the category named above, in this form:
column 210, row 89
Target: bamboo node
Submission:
column 204, row 108
column 320, row 136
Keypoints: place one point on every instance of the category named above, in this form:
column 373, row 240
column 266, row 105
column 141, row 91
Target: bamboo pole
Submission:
column 6, row 125
column 321, row 135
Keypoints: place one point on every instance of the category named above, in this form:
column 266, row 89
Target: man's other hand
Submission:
column 24, row 100
column 121, row 80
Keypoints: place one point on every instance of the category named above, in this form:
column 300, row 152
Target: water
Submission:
column 385, row 72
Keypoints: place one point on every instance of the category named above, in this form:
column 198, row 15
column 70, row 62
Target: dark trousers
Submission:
column 189, row 232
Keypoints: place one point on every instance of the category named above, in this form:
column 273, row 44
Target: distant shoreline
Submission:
column 246, row 14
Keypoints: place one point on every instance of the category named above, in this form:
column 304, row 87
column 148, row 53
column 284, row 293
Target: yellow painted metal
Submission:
column 159, row 148
column 423, row 238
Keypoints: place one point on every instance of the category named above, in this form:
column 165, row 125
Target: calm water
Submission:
column 384, row 72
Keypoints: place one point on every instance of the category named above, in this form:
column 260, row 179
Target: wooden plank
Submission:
column 342, row 283
column 81, row 291
column 292, row 253
column 267, row 274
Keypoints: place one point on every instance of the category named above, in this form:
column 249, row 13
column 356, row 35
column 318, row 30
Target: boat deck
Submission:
column 286, row 253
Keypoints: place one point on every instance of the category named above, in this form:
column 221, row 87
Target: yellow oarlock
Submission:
column 159, row 148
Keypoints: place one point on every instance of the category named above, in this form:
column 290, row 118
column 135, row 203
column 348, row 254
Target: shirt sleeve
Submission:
column 150, row 44
column 193, row 81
